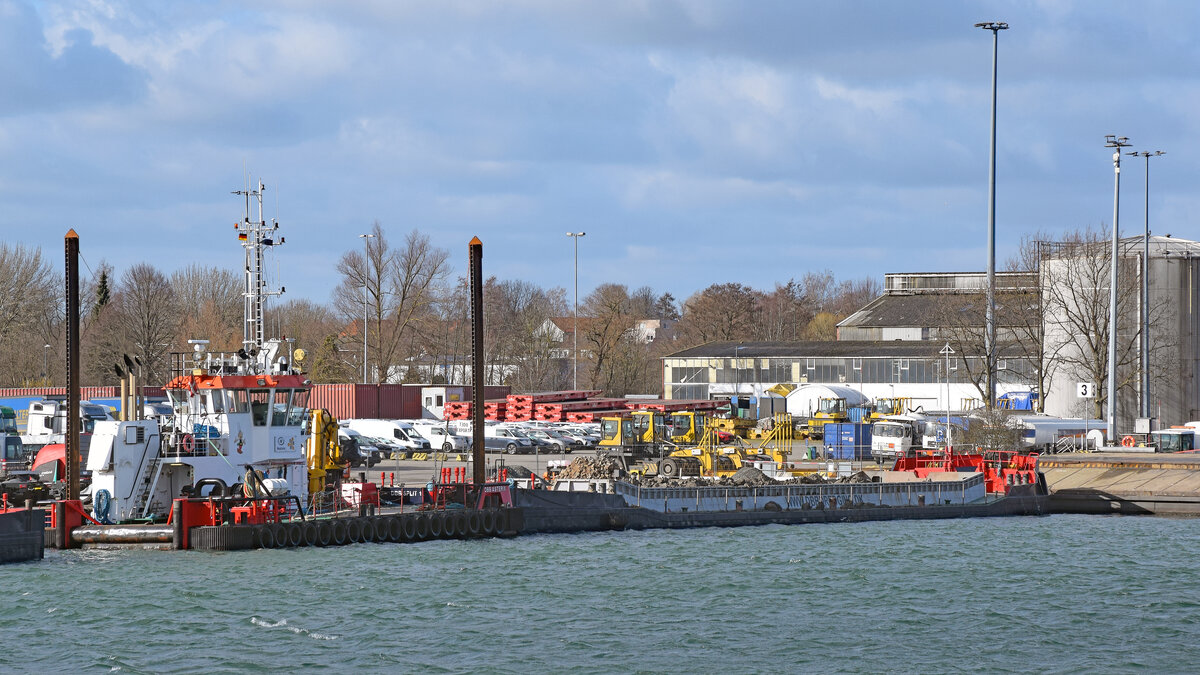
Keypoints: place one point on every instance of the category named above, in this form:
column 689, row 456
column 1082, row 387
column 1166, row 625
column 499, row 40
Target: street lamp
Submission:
column 366, row 307
column 990, row 334
column 1111, row 141
column 45, row 364
column 737, row 372
column 575, row 332
column 1145, row 360
column 949, row 434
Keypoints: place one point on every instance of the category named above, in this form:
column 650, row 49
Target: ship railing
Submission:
column 210, row 363
column 788, row 497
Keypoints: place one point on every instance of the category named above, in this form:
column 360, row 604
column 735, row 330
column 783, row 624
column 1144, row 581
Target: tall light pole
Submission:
column 1117, row 143
column 45, row 364
column 366, row 305
column 1145, row 360
column 737, row 378
column 990, row 334
column 947, row 351
column 575, row 331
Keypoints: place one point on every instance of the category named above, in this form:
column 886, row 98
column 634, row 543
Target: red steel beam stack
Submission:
column 521, row 406
column 494, row 409
column 582, row 416
column 457, row 410
column 554, row 412
column 668, row 405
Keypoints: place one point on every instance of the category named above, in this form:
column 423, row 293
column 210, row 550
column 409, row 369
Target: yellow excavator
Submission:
column 890, row 406
column 325, row 461
column 828, row 410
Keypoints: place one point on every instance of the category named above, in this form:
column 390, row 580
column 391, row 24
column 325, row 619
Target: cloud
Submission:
column 78, row 74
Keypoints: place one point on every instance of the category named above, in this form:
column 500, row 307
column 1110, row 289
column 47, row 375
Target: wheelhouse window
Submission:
column 260, row 400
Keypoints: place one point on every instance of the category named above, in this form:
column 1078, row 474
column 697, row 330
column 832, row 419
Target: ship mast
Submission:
column 255, row 236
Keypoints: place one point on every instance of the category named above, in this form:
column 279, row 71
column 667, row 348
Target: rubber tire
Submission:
column 447, row 447
column 409, row 525
column 379, row 530
column 458, row 524
column 474, row 524
column 265, row 537
column 511, row 448
column 422, row 527
column 309, row 529
column 395, row 529
column 669, row 468
column 295, row 534
column 281, row 535
column 501, row 521
column 437, row 525
column 354, row 530
column 489, row 523
column 324, row 533
column 340, row 533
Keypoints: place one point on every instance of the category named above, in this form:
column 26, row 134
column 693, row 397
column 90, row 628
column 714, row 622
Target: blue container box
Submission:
column 848, row 441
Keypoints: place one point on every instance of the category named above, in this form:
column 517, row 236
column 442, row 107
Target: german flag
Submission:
column 241, row 236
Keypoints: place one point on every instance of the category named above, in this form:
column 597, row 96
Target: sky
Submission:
column 694, row 142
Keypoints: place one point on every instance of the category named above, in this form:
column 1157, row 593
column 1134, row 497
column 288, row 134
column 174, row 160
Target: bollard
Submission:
column 382, row 479
column 393, row 476
column 177, row 526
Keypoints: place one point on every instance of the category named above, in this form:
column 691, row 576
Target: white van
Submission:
column 401, row 433
column 437, row 436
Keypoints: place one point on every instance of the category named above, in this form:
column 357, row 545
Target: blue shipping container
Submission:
column 848, row 441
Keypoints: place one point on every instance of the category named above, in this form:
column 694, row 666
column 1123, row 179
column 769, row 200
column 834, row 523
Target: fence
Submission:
column 969, row 489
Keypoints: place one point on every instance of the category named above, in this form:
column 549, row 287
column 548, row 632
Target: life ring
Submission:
column 189, row 443
column 1128, row 441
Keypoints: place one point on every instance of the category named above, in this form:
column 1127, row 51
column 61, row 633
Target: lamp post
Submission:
column 45, row 363
column 1117, row 143
column 366, row 306
column 575, row 331
column 947, row 351
column 990, row 334
column 1145, row 360
column 737, row 371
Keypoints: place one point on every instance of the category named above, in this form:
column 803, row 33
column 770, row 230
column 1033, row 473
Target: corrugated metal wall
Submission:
column 378, row 401
column 86, row 393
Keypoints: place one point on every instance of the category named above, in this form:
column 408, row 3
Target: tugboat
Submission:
column 237, row 423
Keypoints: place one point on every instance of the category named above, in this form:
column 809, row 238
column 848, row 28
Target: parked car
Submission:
column 17, row 486
column 506, row 439
column 357, row 449
column 556, row 441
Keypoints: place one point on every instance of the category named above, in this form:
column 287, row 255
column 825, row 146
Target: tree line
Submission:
column 415, row 313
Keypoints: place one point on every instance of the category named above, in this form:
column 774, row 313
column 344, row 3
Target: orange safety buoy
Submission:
column 189, row 443
column 1128, row 441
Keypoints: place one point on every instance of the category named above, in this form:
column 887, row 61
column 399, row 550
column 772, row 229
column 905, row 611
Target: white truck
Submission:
column 47, row 423
column 1176, row 439
column 399, row 433
column 896, row 435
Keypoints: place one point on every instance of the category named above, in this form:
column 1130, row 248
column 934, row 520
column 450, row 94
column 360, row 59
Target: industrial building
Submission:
column 894, row 345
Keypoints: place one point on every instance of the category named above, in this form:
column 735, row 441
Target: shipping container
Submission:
column 847, row 441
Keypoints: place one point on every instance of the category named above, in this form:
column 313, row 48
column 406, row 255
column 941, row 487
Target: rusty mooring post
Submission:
column 72, row 274
column 475, row 256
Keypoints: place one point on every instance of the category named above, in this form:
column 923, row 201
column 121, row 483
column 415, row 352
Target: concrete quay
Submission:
column 1127, row 483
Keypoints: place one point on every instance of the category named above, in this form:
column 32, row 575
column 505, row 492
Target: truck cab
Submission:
column 894, row 437
column 1175, row 439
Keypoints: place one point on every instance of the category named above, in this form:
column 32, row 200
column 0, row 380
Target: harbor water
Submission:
column 1060, row 593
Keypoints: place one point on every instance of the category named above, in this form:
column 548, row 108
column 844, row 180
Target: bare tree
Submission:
column 30, row 309
column 209, row 301
column 1075, row 280
column 401, row 286
column 720, row 312
column 149, row 318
